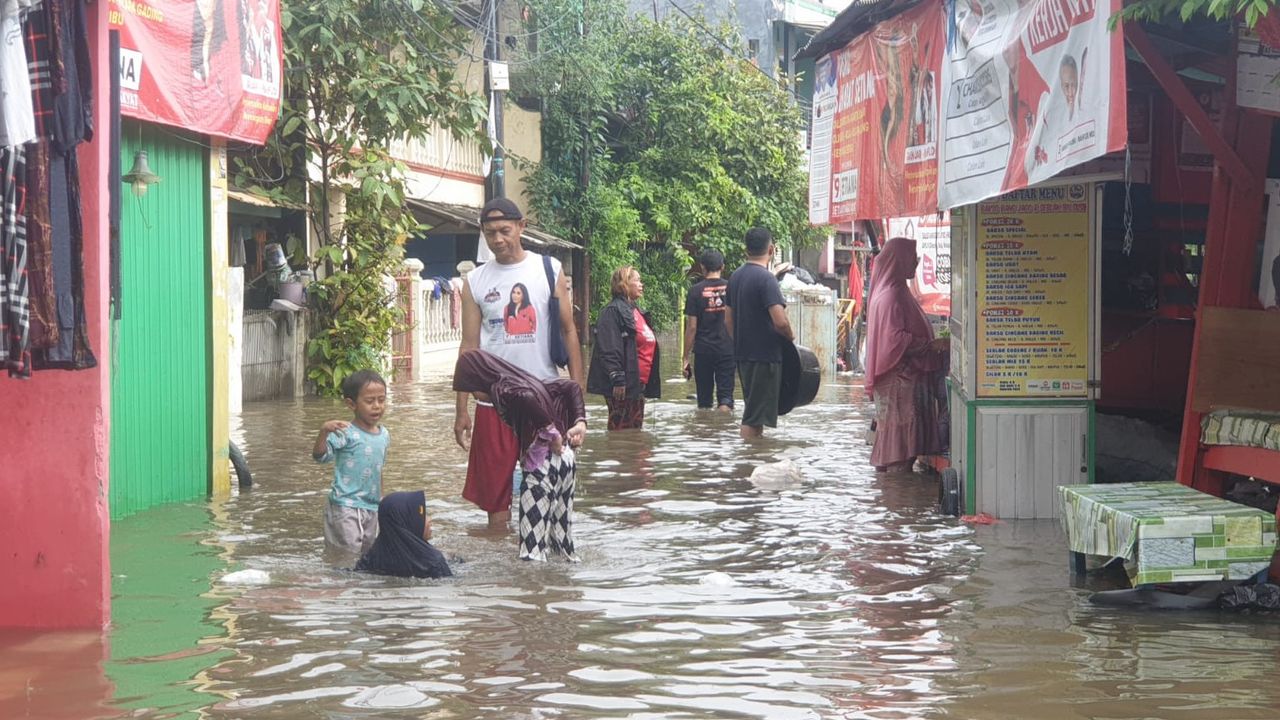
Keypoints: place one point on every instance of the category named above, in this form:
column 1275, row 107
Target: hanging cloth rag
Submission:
column 40, row 283
column 455, row 303
column 17, row 115
column 14, row 314
column 72, row 351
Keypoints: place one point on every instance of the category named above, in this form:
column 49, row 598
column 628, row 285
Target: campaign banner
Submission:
column 209, row 66
column 1258, row 64
column 1033, row 293
column 875, row 107
column 1032, row 87
column 932, row 283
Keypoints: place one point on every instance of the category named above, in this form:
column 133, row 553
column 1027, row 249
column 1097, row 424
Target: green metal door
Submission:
column 160, row 385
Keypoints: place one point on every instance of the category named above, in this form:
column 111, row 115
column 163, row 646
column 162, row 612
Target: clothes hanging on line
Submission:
column 42, row 314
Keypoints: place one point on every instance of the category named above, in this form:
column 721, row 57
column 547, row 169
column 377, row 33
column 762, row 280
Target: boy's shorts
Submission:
column 349, row 530
column 494, row 451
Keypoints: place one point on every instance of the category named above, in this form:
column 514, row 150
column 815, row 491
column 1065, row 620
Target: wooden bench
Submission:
column 1237, row 367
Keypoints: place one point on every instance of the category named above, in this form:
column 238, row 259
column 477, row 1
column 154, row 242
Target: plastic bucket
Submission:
column 273, row 256
column 801, row 376
column 292, row 291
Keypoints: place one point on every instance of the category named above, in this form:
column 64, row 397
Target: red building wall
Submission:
column 54, row 434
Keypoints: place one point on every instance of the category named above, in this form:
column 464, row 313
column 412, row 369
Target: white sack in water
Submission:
column 776, row 476
column 247, row 577
column 717, row 579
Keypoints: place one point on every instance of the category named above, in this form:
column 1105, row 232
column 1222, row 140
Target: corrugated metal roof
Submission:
column 858, row 18
column 252, row 198
column 447, row 217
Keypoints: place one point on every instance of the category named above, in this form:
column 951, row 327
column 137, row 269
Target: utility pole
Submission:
column 497, row 184
column 582, row 288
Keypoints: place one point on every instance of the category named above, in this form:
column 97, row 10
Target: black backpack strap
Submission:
column 551, row 278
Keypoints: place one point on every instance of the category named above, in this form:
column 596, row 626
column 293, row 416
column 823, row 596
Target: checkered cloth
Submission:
column 546, row 509
column 15, row 315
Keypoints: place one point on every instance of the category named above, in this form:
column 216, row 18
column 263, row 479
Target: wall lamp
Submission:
column 140, row 176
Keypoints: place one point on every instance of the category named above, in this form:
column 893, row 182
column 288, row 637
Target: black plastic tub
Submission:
column 801, row 376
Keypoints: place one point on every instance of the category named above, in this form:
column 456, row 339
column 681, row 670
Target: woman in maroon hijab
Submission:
column 903, row 360
column 548, row 418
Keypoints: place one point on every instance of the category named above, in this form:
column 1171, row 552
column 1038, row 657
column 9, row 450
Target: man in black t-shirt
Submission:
column 757, row 320
column 705, row 336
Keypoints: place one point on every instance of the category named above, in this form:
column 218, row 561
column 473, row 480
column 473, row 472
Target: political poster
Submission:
column 932, row 283
column 1031, row 88
column 208, row 66
column 875, row 109
column 1258, row 64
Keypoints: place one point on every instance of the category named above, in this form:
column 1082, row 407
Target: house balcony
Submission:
column 443, row 168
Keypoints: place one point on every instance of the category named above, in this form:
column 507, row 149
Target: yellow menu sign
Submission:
column 1033, row 293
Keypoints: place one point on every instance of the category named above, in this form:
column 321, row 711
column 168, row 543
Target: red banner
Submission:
column 876, row 106
column 209, row 66
column 952, row 102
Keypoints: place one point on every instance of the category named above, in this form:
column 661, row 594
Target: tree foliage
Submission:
column 1160, row 10
column 360, row 75
column 658, row 142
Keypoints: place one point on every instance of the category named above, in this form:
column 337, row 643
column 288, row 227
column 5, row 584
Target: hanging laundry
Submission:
column 239, row 236
column 61, row 76
column 72, row 74
column 455, row 303
column 41, row 63
column 72, row 351
column 440, row 285
column 40, row 285
column 14, row 317
column 17, row 116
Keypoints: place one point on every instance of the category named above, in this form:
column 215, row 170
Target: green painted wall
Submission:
column 160, row 367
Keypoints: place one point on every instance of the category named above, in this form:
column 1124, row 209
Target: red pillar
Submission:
column 54, row 435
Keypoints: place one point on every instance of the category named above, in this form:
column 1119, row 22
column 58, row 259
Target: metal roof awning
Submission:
column 858, row 18
column 450, row 218
column 251, row 198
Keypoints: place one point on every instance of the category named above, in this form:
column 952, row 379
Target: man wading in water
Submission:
column 486, row 294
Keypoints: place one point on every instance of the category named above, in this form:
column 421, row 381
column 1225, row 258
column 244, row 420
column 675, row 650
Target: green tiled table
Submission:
column 1168, row 532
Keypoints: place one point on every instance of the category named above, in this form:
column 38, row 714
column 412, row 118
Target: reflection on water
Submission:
column 698, row 595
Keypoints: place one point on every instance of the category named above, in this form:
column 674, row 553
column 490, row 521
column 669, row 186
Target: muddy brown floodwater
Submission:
column 699, row 595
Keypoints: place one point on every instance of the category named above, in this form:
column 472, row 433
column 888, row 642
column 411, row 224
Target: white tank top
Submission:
column 513, row 312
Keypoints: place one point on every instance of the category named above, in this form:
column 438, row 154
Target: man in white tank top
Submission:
column 504, row 307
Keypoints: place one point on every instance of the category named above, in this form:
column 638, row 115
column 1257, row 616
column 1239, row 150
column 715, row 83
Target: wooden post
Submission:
column 1236, row 207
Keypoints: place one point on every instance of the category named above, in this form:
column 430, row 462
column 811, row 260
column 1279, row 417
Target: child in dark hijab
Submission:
column 542, row 413
column 402, row 548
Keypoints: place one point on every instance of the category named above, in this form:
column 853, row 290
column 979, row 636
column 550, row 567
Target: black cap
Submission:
column 500, row 209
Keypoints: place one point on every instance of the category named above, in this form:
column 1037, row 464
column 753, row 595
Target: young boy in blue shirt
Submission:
column 358, row 450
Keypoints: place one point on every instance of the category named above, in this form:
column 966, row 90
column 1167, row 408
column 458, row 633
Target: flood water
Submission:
column 699, row 595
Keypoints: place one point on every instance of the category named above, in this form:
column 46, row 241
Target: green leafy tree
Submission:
column 360, row 75
column 659, row 141
column 1160, row 10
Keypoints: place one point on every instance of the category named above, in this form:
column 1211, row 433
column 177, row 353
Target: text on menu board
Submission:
column 1033, row 293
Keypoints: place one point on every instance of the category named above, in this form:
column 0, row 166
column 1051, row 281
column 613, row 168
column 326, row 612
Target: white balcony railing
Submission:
column 440, row 151
column 436, row 327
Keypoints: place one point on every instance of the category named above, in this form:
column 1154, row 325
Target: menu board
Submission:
column 1033, row 293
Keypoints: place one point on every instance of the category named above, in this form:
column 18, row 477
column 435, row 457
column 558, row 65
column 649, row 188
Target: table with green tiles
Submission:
column 1167, row 532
